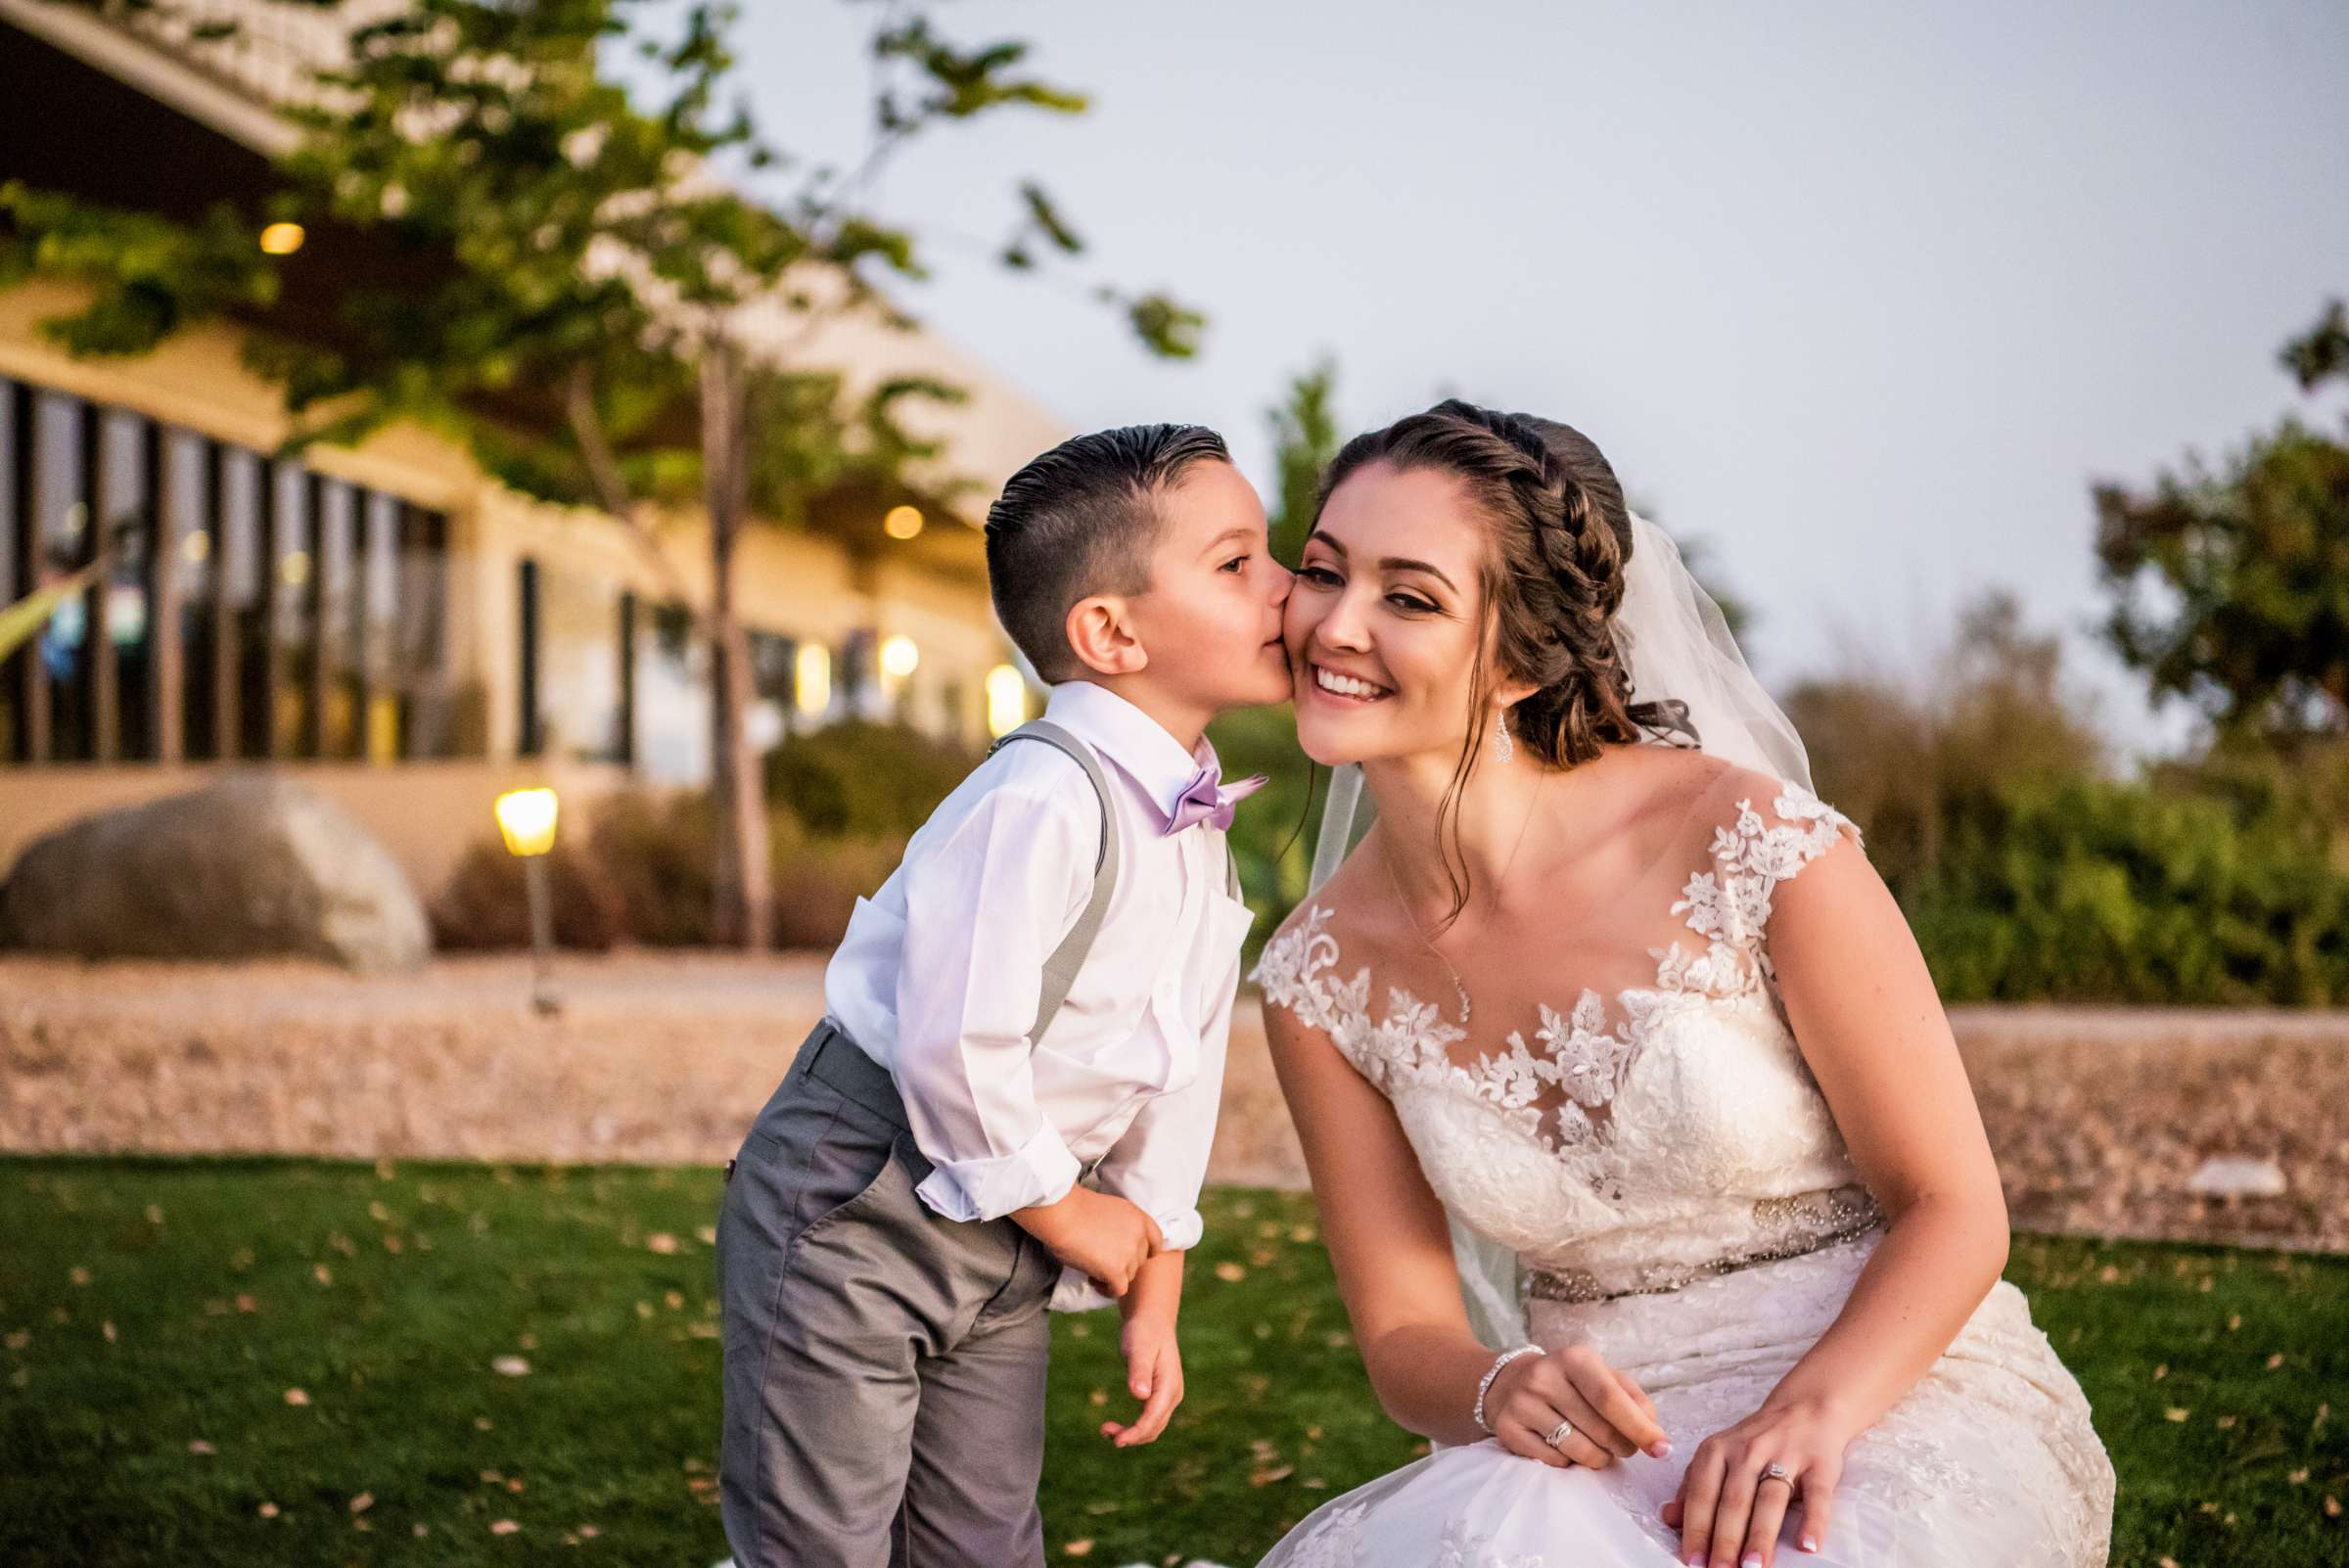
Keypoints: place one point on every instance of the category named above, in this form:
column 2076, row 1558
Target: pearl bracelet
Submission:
column 1485, row 1384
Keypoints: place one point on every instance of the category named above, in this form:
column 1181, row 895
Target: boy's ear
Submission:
column 1101, row 635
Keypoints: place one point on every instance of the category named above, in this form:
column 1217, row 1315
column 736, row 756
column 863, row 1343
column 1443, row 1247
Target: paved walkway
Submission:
column 2101, row 1116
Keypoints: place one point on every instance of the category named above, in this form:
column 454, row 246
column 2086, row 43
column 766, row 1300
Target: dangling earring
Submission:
column 1503, row 748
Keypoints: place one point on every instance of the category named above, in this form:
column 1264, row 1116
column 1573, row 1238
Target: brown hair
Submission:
column 1081, row 520
column 1552, row 582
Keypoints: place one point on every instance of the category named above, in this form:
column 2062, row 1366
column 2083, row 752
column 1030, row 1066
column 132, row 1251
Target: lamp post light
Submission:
column 526, row 818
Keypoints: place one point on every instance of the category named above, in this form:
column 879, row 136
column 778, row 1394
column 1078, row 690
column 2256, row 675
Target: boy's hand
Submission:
column 1096, row 1233
column 1154, row 1375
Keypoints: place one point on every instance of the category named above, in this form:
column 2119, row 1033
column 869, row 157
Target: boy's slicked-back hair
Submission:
column 1081, row 520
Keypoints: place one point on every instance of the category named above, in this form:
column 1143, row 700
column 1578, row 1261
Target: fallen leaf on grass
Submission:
column 2176, row 1413
column 660, row 1241
column 297, row 1396
column 267, row 1510
column 503, row 1527
column 362, row 1503
column 1229, row 1270
column 1078, row 1548
column 510, row 1366
column 199, row 1445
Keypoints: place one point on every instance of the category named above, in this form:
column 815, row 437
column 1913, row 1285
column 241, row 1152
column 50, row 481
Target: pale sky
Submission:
column 1864, row 296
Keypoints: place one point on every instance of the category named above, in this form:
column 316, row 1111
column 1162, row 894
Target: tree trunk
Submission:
column 743, row 883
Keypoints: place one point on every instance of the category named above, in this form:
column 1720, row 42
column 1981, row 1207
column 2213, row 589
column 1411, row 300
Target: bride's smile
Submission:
column 1382, row 622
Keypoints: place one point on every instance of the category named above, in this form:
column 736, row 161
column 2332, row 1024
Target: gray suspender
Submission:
column 1060, row 969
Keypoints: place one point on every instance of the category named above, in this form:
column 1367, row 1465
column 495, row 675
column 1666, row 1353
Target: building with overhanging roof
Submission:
column 387, row 621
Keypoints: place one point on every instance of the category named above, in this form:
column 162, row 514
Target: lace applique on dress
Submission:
column 1556, row 1091
column 1335, row 1541
column 1729, row 906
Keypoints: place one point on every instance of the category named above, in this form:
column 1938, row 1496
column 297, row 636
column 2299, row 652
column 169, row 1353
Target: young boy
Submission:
column 1008, row 1107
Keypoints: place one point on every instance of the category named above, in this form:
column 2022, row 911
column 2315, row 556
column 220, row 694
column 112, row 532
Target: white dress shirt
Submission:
column 938, row 978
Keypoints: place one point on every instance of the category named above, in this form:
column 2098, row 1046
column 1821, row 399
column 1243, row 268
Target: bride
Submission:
column 1654, row 1186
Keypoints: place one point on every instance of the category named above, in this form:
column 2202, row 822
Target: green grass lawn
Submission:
column 271, row 1361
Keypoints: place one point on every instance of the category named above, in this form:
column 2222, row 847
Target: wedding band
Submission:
column 1559, row 1434
column 1777, row 1472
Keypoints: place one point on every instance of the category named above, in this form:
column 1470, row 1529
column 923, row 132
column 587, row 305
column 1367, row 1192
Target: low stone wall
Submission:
column 2101, row 1118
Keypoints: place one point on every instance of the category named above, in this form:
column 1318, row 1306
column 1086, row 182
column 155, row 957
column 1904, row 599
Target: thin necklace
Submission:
column 1386, row 859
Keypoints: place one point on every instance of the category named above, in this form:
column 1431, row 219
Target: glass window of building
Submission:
column 672, row 698
column 581, row 707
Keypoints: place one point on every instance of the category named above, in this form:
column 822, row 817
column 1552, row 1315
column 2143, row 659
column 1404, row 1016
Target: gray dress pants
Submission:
column 884, row 1365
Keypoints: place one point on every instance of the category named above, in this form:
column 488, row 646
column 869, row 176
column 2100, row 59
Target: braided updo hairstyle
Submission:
column 1552, row 582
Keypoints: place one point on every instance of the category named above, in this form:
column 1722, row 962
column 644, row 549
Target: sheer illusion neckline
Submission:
column 1563, row 1083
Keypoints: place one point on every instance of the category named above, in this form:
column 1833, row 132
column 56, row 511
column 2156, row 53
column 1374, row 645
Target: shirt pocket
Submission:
column 1229, row 922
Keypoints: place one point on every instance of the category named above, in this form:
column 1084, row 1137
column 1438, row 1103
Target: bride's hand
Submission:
column 1612, row 1416
column 1728, row 1512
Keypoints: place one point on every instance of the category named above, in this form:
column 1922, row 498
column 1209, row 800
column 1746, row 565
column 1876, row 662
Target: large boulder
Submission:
column 251, row 866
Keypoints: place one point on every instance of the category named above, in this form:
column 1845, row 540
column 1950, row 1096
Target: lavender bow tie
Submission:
column 1208, row 799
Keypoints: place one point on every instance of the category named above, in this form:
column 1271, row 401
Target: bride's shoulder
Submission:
column 1723, row 811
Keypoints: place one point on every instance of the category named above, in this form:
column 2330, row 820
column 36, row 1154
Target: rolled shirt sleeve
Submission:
column 984, row 906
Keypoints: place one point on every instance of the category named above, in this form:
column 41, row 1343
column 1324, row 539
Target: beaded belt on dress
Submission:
column 1849, row 1210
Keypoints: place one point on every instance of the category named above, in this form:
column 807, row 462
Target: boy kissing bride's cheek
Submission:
column 1007, row 1108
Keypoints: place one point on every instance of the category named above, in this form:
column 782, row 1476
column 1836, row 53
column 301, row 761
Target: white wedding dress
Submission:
column 1667, row 1172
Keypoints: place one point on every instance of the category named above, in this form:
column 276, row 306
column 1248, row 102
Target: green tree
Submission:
column 1305, row 438
column 1914, row 763
column 2231, row 586
column 574, row 284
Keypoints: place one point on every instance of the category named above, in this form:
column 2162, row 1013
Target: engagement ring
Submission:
column 1559, row 1434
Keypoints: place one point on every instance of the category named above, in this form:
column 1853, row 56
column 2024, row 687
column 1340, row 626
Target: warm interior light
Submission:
column 1006, row 699
column 281, row 239
column 903, row 521
column 294, row 567
column 526, row 819
column 196, row 547
column 900, row 657
column 812, row 677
